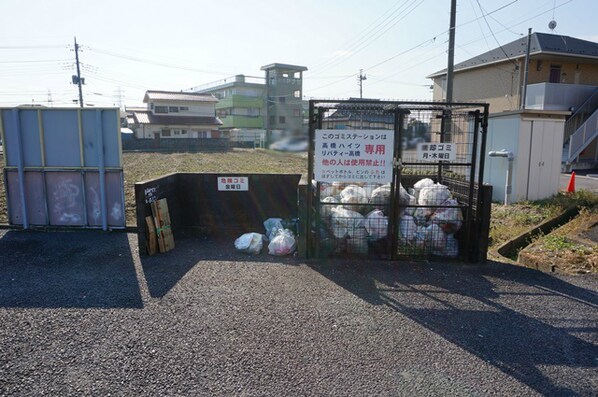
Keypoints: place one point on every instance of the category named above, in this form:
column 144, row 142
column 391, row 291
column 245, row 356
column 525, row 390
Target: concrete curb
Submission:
column 525, row 238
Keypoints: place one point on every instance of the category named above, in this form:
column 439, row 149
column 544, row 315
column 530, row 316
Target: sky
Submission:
column 128, row 47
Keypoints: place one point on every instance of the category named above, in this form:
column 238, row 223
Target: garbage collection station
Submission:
column 369, row 196
column 365, row 196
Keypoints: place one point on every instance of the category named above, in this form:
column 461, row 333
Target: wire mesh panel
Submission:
column 419, row 202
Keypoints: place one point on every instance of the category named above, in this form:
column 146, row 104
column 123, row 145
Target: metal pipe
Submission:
column 510, row 157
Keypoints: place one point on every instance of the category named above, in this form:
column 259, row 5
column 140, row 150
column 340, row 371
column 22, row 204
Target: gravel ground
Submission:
column 82, row 314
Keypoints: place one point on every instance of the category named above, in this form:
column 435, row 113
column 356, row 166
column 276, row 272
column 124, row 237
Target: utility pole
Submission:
column 77, row 79
column 451, row 53
column 446, row 115
column 360, row 79
column 49, row 98
column 526, row 70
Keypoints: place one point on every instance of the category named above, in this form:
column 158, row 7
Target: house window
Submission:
column 297, row 112
column 183, row 132
column 204, row 134
column 282, row 99
column 297, row 93
column 161, row 109
column 151, row 105
column 177, row 132
column 272, row 119
column 183, row 108
column 555, row 74
column 281, row 119
column 173, row 109
column 165, row 132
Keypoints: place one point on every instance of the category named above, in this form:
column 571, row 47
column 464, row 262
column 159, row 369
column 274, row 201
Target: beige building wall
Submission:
column 571, row 72
column 497, row 85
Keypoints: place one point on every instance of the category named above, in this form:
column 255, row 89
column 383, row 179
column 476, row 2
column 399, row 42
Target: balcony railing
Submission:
column 557, row 96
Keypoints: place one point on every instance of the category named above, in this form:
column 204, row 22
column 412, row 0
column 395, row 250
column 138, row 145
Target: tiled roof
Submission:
column 148, row 117
column 541, row 43
column 178, row 96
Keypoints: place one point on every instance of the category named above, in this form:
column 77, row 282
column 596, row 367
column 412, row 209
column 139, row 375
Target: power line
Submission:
column 152, row 62
column 377, row 34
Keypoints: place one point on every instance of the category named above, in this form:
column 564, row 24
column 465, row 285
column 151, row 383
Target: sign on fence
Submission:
column 434, row 151
column 353, row 156
column 233, row 183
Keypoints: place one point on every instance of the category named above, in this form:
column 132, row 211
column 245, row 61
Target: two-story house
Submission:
column 562, row 82
column 176, row 115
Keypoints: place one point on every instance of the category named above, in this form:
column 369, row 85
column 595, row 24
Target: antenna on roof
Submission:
column 552, row 23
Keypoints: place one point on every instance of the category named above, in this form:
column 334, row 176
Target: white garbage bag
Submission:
column 407, row 229
column 358, row 242
column 435, row 239
column 449, row 219
column 419, row 185
column 433, row 195
column 354, row 194
column 381, row 195
column 326, row 210
column 250, row 243
column 376, row 224
column 283, row 243
column 452, row 246
column 344, row 222
column 272, row 225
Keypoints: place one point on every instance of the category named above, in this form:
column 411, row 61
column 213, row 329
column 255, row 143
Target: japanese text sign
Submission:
column 353, row 156
column 428, row 151
column 233, row 183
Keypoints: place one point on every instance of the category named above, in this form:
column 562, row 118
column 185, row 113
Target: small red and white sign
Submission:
column 233, row 183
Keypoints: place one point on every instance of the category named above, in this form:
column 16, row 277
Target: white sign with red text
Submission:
column 233, row 183
column 353, row 156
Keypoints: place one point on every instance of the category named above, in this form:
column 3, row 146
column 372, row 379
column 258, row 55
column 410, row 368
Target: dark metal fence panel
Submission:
column 429, row 207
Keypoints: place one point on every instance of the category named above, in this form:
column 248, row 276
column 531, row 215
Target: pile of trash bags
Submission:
column 356, row 215
column 279, row 239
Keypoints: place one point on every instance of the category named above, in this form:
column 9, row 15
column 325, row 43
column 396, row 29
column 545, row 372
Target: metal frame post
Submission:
column 20, row 167
column 101, row 168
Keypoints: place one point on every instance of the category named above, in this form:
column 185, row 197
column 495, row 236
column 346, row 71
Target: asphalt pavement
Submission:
column 584, row 180
column 82, row 314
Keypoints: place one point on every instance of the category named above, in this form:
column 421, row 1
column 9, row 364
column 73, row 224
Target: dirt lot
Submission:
column 506, row 222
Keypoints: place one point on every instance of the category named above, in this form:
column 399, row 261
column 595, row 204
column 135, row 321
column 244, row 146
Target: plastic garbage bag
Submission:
column 369, row 188
column 381, row 195
column 376, row 224
column 435, row 239
column 354, row 194
column 272, row 225
column 434, row 195
column 344, row 222
column 407, row 229
column 327, row 190
column 326, row 210
column 250, row 243
column 283, row 243
column 358, row 242
column 452, row 247
column 449, row 219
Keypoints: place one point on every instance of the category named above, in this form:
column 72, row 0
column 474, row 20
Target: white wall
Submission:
column 536, row 143
column 195, row 108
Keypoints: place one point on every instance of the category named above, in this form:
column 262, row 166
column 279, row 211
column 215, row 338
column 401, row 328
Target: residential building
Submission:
column 176, row 115
column 249, row 106
column 284, row 90
column 562, row 83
